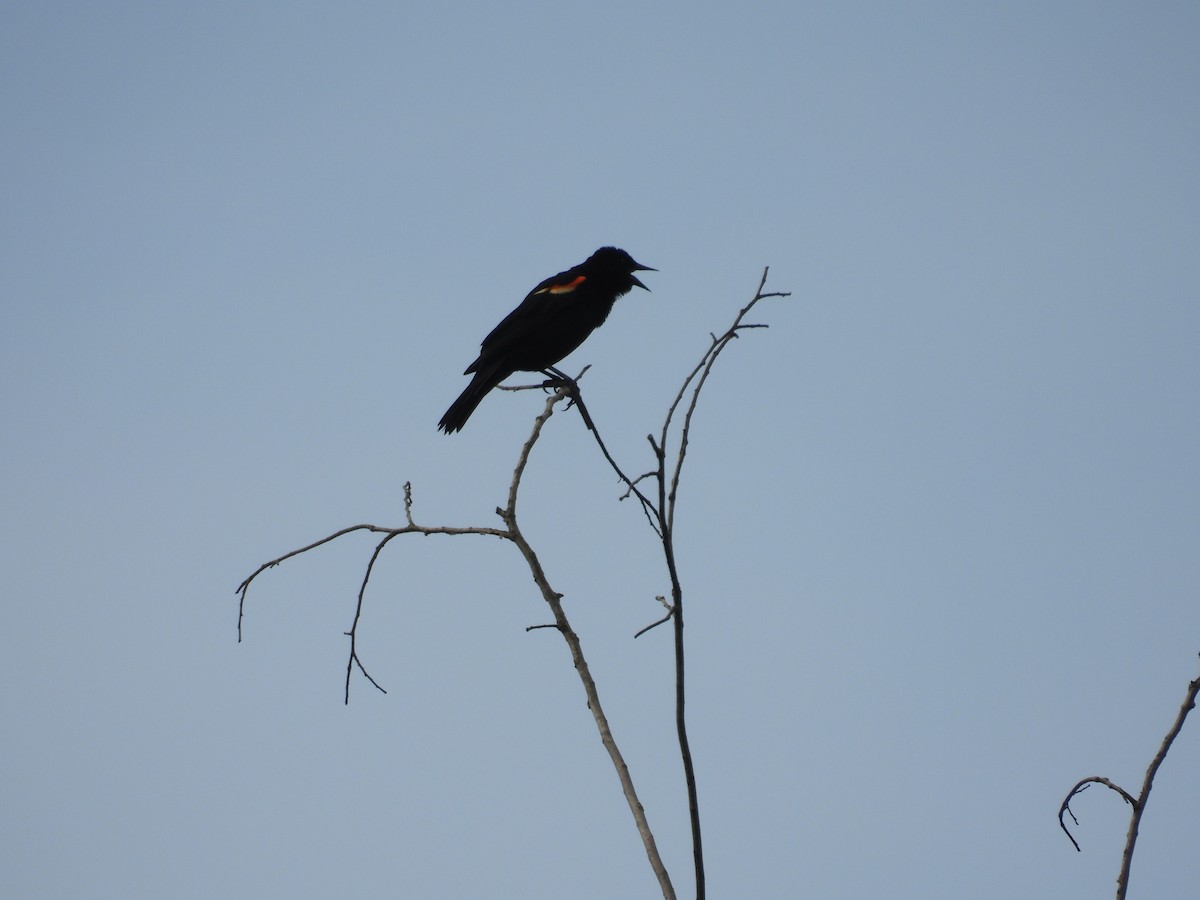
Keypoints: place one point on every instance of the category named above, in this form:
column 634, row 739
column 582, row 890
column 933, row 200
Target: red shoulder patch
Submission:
column 563, row 288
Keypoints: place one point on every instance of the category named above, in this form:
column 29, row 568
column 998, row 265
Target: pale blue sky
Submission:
column 939, row 529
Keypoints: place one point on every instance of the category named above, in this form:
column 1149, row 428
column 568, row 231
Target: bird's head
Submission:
column 615, row 263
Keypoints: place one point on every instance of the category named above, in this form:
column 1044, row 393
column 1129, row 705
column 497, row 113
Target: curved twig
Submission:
column 1082, row 785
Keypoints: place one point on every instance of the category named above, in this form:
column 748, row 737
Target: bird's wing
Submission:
column 535, row 311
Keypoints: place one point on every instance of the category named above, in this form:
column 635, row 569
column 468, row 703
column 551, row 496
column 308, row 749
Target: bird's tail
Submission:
column 460, row 410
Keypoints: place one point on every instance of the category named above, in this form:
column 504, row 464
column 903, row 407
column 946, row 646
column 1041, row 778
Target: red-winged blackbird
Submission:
column 554, row 319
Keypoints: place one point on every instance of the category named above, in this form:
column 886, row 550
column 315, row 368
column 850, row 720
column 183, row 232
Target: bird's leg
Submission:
column 557, row 378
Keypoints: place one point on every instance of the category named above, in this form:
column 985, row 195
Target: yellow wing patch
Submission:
column 563, row 288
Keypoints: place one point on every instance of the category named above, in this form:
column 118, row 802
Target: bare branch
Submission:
column 242, row 588
column 509, row 513
column 702, row 371
column 631, row 484
column 670, row 612
column 389, row 534
column 353, row 632
column 1080, row 787
column 511, row 532
column 697, row 378
column 661, row 516
column 655, row 624
column 554, row 601
column 1138, row 803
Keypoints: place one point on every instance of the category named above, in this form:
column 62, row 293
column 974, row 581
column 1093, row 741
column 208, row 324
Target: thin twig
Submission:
column 1082, row 785
column 655, row 624
column 631, row 484
column 703, row 369
column 353, row 632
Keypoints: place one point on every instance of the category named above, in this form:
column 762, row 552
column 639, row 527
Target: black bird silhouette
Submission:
column 553, row 319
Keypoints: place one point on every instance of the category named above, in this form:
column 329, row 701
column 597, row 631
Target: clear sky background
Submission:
column 939, row 530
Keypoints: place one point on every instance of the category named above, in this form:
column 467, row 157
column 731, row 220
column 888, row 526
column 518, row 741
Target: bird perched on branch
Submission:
column 554, row 319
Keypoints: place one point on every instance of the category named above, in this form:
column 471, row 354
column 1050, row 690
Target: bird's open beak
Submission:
column 638, row 267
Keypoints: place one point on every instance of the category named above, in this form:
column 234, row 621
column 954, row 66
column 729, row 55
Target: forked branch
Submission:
column 660, row 512
column 1137, row 803
column 510, row 532
column 411, row 527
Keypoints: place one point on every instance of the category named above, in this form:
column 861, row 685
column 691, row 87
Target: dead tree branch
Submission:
column 353, row 660
column 661, row 515
column 1137, row 803
column 510, row 532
